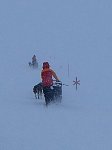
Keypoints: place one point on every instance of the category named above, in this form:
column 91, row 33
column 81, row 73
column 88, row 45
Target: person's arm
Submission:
column 55, row 76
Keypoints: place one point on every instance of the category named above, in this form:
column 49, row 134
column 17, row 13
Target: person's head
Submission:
column 45, row 65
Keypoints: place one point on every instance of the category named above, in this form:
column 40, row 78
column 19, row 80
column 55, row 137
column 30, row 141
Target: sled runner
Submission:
column 57, row 90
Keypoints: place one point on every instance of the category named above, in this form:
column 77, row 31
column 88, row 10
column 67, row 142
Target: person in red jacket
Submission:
column 47, row 76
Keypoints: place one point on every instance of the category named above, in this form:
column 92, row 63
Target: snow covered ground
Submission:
column 76, row 33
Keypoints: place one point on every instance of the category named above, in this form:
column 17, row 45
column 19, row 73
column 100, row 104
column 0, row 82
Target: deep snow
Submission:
column 76, row 33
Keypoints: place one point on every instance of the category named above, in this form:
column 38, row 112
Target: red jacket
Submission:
column 47, row 75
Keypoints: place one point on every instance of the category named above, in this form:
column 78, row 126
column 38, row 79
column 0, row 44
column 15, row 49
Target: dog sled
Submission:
column 51, row 94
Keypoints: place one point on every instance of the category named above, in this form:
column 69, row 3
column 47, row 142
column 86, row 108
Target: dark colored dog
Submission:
column 38, row 90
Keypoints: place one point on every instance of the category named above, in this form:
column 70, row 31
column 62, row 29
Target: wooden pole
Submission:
column 68, row 71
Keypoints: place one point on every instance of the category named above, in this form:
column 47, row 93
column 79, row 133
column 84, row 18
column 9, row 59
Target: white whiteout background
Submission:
column 77, row 33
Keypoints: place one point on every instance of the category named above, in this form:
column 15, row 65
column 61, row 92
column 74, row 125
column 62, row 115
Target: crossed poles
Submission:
column 76, row 82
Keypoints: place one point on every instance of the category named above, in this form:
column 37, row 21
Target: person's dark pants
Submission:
column 48, row 94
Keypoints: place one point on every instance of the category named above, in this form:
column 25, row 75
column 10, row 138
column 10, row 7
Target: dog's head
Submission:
column 35, row 89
